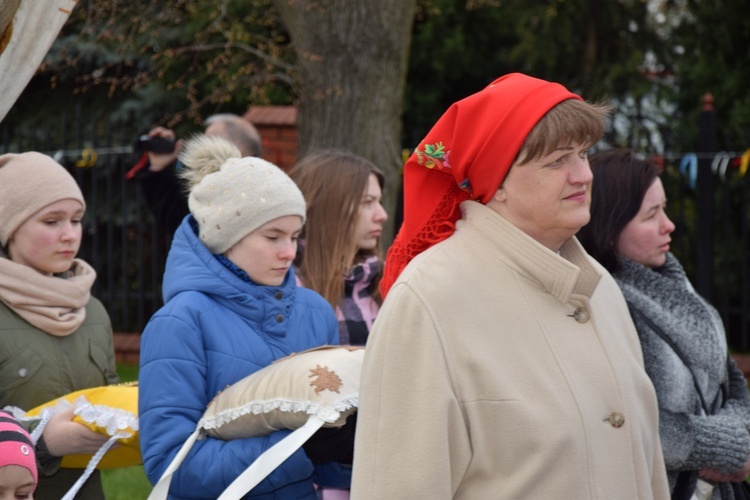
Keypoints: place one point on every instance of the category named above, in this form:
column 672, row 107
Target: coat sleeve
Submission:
column 172, row 399
column 111, row 373
column 738, row 398
column 164, row 197
column 100, row 327
column 693, row 442
column 333, row 475
column 721, row 441
column 47, row 463
column 408, row 409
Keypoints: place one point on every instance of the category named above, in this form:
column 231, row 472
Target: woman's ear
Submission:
column 497, row 201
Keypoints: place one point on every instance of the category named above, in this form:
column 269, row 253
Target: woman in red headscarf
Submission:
column 504, row 363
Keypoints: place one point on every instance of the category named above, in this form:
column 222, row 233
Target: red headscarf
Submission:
column 466, row 156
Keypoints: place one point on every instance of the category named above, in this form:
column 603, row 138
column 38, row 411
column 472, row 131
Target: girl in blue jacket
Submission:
column 231, row 308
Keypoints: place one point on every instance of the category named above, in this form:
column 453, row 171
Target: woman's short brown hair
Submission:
column 571, row 121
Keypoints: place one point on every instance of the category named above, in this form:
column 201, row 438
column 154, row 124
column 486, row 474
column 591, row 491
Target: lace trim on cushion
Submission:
column 114, row 420
column 438, row 227
column 329, row 412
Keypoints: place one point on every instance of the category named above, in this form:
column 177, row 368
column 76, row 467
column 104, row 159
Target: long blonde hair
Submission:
column 333, row 183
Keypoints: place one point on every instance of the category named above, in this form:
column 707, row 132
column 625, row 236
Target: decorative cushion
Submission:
column 302, row 392
column 323, row 381
column 109, row 410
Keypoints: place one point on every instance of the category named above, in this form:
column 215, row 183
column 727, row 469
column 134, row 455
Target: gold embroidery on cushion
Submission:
column 326, row 380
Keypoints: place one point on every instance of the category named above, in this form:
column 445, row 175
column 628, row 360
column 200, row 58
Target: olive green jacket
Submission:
column 36, row 367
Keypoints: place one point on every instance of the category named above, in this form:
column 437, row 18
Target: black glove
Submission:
column 333, row 444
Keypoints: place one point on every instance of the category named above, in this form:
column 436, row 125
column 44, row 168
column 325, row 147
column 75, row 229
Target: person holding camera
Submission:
column 158, row 167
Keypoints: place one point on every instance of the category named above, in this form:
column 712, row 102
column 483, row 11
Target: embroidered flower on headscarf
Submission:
column 434, row 156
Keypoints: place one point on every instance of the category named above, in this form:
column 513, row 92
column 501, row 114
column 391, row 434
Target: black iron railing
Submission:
column 128, row 250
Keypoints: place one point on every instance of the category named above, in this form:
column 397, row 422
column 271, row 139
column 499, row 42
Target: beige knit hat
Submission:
column 230, row 197
column 28, row 183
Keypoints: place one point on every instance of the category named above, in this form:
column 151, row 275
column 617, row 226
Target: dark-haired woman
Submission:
column 704, row 410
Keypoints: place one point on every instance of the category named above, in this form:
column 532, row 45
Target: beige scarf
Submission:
column 56, row 305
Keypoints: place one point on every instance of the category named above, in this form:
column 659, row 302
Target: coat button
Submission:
column 615, row 419
column 22, row 372
column 279, row 295
column 279, row 318
column 581, row 315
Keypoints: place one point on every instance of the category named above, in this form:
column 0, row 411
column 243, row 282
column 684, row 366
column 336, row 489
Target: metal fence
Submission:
column 120, row 240
column 710, row 206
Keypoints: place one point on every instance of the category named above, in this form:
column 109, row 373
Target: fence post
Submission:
column 705, row 199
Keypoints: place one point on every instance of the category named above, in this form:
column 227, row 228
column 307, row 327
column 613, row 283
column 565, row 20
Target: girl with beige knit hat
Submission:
column 55, row 338
column 231, row 308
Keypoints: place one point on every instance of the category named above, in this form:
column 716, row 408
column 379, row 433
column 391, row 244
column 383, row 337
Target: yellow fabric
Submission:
column 107, row 401
column 323, row 381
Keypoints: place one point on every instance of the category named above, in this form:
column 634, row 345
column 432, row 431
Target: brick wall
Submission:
column 277, row 126
column 127, row 348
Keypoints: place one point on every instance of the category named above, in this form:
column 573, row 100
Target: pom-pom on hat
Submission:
column 466, row 155
column 230, row 197
column 16, row 447
column 28, row 183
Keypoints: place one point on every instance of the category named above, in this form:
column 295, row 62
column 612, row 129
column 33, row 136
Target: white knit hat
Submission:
column 238, row 198
column 28, row 183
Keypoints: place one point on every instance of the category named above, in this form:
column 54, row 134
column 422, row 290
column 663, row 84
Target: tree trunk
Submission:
column 352, row 58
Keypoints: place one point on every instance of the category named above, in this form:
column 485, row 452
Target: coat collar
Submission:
column 191, row 267
column 562, row 274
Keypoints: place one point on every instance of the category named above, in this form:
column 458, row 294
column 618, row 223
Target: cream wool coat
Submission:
column 480, row 383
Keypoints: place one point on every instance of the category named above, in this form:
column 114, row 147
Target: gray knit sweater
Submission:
column 690, row 441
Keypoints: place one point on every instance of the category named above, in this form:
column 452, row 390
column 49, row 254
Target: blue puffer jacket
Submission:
column 214, row 330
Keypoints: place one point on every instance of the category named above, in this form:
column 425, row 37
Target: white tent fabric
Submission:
column 34, row 27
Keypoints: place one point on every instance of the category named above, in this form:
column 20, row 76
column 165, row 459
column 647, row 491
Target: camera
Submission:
column 154, row 144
